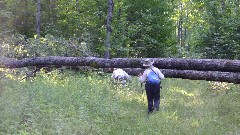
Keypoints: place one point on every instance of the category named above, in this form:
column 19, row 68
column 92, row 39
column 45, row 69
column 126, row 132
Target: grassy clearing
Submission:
column 73, row 103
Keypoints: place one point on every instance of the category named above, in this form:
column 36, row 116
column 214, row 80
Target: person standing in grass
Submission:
column 152, row 77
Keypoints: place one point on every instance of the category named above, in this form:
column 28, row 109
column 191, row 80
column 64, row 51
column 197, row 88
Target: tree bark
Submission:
column 180, row 26
column 38, row 17
column 162, row 63
column 108, row 27
column 229, row 77
column 187, row 67
column 52, row 11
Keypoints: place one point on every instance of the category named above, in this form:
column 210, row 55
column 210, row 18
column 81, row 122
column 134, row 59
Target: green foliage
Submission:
column 142, row 32
column 222, row 39
column 72, row 103
column 21, row 47
column 21, row 19
column 200, row 28
column 137, row 32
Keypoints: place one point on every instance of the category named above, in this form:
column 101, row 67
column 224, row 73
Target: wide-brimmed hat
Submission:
column 147, row 62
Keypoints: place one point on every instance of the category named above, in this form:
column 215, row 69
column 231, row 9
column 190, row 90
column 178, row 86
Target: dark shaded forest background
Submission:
column 138, row 28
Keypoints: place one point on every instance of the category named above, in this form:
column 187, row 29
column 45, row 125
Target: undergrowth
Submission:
column 74, row 103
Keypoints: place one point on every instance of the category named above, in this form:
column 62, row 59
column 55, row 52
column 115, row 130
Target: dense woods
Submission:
column 199, row 29
column 203, row 29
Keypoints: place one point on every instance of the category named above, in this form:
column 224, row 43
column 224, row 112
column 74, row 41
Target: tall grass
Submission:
column 73, row 103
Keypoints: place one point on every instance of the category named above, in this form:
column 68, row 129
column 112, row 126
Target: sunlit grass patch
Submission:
column 75, row 103
column 183, row 92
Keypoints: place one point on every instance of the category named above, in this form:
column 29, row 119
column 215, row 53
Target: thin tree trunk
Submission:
column 52, row 8
column 78, row 27
column 15, row 18
column 180, row 29
column 108, row 27
column 38, row 17
column 26, row 16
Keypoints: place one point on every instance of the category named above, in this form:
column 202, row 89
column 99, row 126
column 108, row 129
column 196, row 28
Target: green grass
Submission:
column 73, row 103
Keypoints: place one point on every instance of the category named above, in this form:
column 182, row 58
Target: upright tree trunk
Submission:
column 52, row 6
column 26, row 17
column 108, row 27
column 78, row 20
column 186, row 44
column 180, row 30
column 15, row 18
column 38, row 17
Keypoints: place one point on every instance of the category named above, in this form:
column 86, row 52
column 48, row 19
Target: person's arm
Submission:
column 160, row 74
column 143, row 77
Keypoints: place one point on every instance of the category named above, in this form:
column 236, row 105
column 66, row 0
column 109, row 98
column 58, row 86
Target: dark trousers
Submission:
column 153, row 96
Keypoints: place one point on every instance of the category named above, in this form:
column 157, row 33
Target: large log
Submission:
column 134, row 63
column 229, row 77
column 162, row 63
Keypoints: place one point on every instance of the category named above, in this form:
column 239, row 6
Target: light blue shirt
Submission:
column 143, row 78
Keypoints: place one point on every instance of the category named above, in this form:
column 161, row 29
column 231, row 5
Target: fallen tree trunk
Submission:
column 187, row 67
column 229, row 77
column 162, row 63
